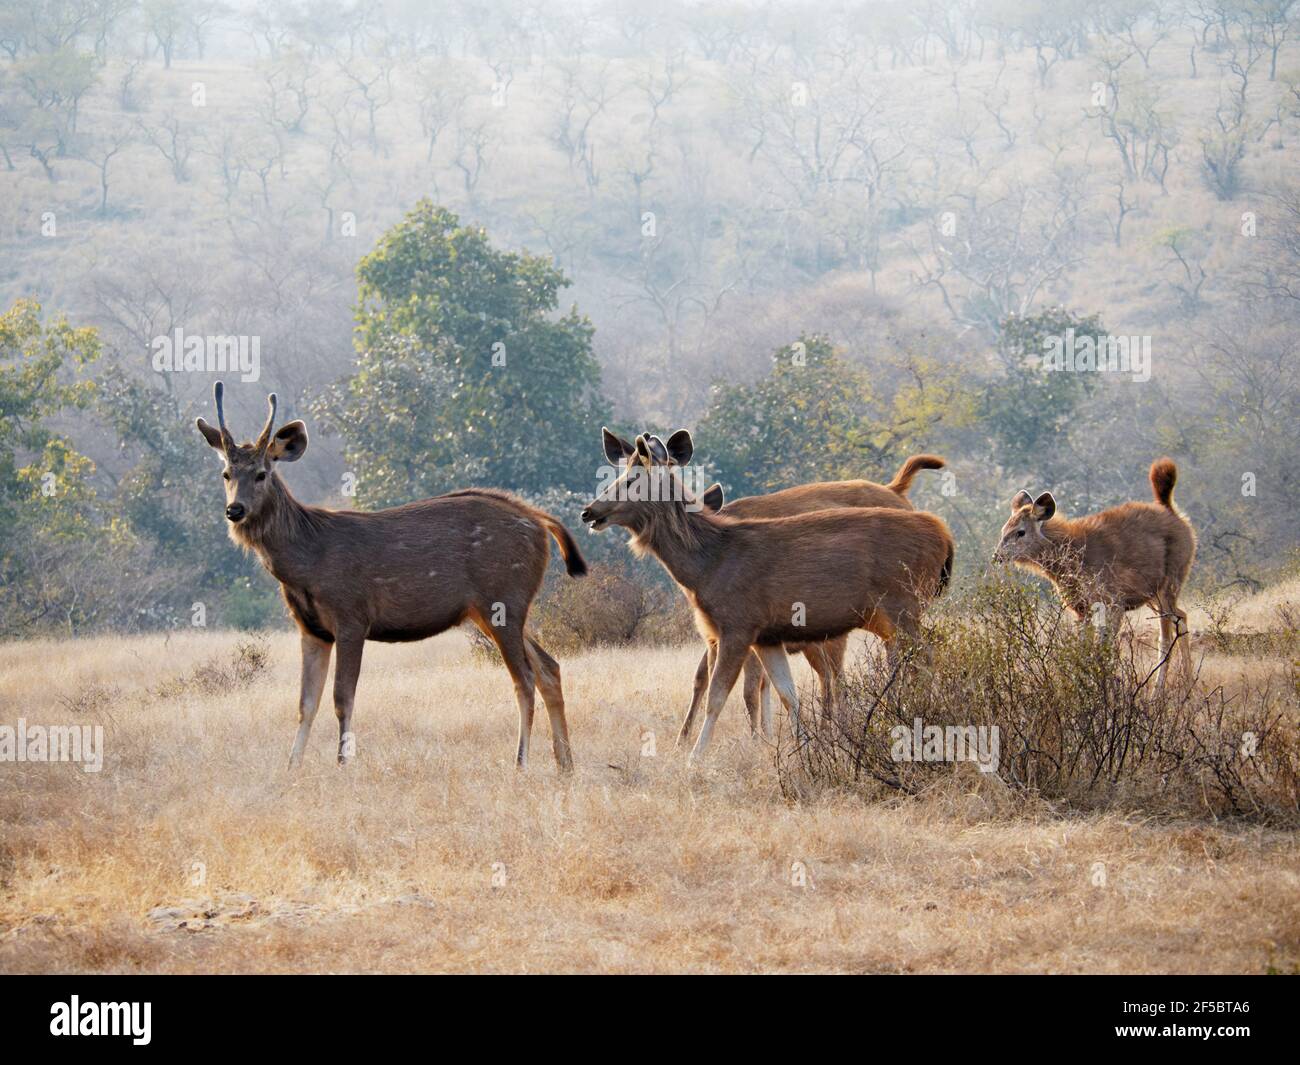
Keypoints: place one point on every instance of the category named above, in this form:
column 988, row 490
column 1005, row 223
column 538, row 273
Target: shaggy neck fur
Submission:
column 283, row 532
column 684, row 541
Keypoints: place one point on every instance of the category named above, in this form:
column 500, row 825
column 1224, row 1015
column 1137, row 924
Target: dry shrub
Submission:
column 240, row 668
column 92, row 699
column 1079, row 721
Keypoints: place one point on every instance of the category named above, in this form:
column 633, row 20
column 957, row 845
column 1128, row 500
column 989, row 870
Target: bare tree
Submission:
column 174, row 141
column 1187, row 250
column 996, row 259
column 441, row 95
column 288, row 84
column 166, row 21
column 100, row 150
column 371, row 80
column 1223, row 146
column 580, row 98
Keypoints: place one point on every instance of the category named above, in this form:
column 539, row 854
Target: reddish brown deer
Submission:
column 1129, row 556
column 760, row 582
column 394, row 575
column 826, row 659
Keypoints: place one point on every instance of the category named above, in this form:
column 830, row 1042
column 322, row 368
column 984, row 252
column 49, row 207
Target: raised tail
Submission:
column 1164, row 475
column 574, row 564
column 903, row 478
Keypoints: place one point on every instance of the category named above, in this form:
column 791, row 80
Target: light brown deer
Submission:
column 394, row 575
column 760, row 582
column 1132, row 555
column 826, row 659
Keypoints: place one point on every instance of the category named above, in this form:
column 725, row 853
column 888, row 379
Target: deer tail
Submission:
column 574, row 564
column 903, row 478
column 1164, row 475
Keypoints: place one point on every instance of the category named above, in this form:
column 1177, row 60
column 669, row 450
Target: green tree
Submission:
column 818, row 417
column 1028, row 409
column 48, row 528
column 463, row 373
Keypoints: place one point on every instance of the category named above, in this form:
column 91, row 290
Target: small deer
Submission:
column 762, row 582
column 1129, row 556
column 826, row 658
column 406, row 573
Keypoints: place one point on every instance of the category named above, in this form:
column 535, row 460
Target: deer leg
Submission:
column 765, row 700
column 904, row 633
column 1174, row 636
column 829, row 664
column 755, row 691
column 347, row 667
column 731, row 659
column 547, row 673
column 835, row 649
column 315, row 668
column 778, row 672
column 1166, row 645
column 817, row 657
column 514, row 651
column 1183, row 639
column 702, row 673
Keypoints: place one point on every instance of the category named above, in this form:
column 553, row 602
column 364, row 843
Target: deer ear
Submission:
column 616, row 448
column 288, row 444
column 1044, row 507
column 642, row 448
column 211, row 434
column 1021, row 499
column 712, row 498
column 657, row 449
column 680, row 448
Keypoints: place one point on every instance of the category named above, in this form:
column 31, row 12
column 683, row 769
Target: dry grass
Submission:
column 634, row 864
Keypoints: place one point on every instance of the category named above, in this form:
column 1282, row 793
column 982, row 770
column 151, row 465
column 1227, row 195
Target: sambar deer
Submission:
column 1124, row 558
column 395, row 575
column 826, row 658
column 762, row 582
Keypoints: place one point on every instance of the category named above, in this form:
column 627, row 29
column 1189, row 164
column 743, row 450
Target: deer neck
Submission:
column 681, row 541
column 1062, row 562
column 284, row 535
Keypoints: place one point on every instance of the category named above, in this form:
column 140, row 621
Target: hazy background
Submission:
column 918, row 193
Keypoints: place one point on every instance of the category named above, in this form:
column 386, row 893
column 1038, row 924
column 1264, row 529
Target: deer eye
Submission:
column 225, row 474
column 261, row 477
column 1019, row 533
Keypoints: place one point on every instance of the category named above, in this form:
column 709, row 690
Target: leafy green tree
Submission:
column 48, row 527
column 818, row 417
column 463, row 373
column 35, row 364
column 1028, row 409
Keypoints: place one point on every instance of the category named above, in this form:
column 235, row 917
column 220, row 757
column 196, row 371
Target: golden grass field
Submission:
column 195, row 850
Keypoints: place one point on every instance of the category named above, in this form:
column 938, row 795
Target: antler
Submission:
column 218, row 394
column 265, row 439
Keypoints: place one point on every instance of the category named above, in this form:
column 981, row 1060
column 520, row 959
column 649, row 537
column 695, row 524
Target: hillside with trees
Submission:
column 463, row 236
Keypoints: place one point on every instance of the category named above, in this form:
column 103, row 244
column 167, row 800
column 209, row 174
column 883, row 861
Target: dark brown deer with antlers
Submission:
column 1121, row 559
column 762, row 582
column 826, row 658
column 394, row 575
